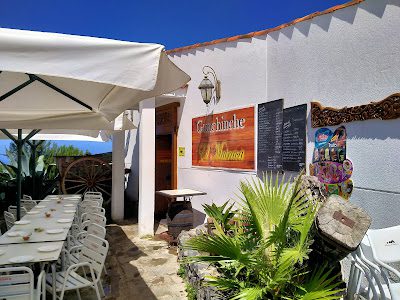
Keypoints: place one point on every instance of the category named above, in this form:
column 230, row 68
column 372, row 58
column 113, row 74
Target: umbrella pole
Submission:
column 34, row 147
column 19, row 142
column 19, row 181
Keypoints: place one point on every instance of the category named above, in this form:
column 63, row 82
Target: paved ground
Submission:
column 139, row 269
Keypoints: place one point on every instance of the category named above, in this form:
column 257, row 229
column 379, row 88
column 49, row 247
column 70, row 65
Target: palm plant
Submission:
column 266, row 256
column 221, row 215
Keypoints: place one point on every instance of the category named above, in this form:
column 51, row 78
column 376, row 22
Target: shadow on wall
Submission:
column 376, row 8
column 132, row 186
column 383, row 207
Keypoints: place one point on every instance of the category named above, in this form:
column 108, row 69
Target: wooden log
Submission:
column 341, row 226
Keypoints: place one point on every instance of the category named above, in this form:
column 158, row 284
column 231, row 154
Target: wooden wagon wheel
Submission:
column 87, row 174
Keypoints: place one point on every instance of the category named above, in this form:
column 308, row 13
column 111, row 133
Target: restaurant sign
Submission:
column 224, row 140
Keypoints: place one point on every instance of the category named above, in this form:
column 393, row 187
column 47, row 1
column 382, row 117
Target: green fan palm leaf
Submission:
column 265, row 255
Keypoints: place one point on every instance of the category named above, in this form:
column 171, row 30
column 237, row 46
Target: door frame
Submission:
column 167, row 123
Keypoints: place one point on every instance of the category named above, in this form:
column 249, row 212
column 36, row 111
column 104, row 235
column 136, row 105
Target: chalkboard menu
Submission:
column 294, row 138
column 270, row 119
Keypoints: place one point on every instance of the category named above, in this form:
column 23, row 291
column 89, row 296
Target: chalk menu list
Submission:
column 270, row 120
column 294, row 138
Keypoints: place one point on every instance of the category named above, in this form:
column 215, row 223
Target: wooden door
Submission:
column 166, row 155
column 163, row 173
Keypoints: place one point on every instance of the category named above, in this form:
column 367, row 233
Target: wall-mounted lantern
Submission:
column 210, row 91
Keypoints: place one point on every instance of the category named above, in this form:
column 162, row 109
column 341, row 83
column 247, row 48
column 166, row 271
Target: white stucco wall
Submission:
column 349, row 57
column 241, row 68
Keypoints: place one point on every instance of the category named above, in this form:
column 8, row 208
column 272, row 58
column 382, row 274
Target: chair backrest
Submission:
column 13, row 209
column 94, row 209
column 28, row 204
column 94, row 199
column 96, row 230
column 10, row 219
column 385, row 244
column 93, row 194
column 85, row 203
column 26, row 197
column 90, row 218
column 94, row 251
column 16, row 282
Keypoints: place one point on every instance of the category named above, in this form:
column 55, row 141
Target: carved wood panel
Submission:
column 386, row 109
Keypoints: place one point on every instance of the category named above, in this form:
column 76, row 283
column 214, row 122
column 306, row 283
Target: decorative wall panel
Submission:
column 386, row 109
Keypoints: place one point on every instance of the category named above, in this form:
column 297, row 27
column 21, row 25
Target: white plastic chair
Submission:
column 92, row 258
column 13, row 209
column 10, row 219
column 90, row 218
column 26, row 197
column 84, row 204
column 18, row 283
column 88, row 194
column 92, row 230
column 94, row 209
column 358, row 268
column 28, row 204
column 99, row 200
column 385, row 246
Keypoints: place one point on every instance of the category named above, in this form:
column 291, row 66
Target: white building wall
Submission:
column 349, row 57
column 241, row 68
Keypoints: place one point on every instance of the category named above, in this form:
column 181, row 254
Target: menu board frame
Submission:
column 289, row 165
column 263, row 165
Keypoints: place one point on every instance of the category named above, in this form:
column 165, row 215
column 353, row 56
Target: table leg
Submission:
column 53, row 271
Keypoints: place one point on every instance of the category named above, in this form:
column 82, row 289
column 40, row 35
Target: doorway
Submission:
column 166, row 155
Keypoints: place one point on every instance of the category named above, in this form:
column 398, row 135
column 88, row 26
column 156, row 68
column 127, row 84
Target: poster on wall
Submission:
column 330, row 163
column 294, row 138
column 224, row 140
column 269, row 139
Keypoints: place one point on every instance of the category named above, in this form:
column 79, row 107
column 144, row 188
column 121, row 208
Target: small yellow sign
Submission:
column 181, row 151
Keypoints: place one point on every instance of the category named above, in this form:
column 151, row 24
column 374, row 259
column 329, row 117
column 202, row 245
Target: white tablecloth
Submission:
column 41, row 221
column 30, row 249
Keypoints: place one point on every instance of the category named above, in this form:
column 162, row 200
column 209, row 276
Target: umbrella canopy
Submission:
column 62, row 135
column 53, row 81
column 57, row 81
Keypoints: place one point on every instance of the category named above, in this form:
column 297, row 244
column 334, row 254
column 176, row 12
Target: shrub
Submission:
column 266, row 256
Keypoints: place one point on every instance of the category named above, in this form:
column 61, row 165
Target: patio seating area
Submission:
column 59, row 233
column 262, row 165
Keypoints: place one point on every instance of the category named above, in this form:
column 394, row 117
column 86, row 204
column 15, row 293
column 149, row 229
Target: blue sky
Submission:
column 172, row 23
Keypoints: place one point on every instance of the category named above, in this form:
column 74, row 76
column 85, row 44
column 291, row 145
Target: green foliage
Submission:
column 266, row 256
column 221, row 215
column 39, row 170
column 190, row 291
column 181, row 271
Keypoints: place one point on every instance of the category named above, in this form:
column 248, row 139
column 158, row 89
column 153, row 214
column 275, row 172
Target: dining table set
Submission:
column 41, row 234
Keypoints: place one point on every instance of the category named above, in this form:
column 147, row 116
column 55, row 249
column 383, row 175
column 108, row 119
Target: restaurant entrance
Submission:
column 166, row 155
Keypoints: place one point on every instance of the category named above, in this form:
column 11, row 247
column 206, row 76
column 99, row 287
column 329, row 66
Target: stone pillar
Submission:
column 147, row 148
column 118, row 176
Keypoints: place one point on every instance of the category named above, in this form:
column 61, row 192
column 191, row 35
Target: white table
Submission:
column 187, row 194
column 41, row 221
column 16, row 246
column 13, row 250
